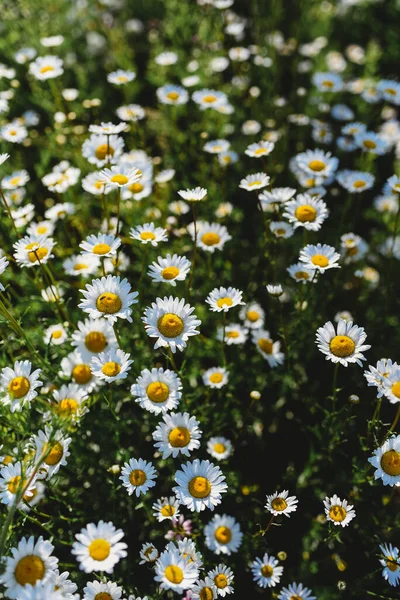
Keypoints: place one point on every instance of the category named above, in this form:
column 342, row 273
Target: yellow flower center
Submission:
column 390, row 463
column 99, row 549
column 296, row 597
column 170, row 325
column 173, row 96
column 67, row 406
column 337, row 513
column 42, row 229
column 359, row 183
column 221, row 581
column 29, row 569
column 103, row 596
column 167, row 510
column 210, row 238
column 342, row 345
column 14, row 484
column 147, row 235
column 216, row 377
column 306, row 213
column 199, row 487
column 223, row 535
column 209, row 99
column 206, row 594
column 15, row 180
column 252, row 315
column 101, row 151
column 265, row 345
column 179, row 437
column 266, row 571
column 157, row 391
column 170, row 273
column 36, row 254
column 137, row 477
column 101, row 249
column 80, row 266
column 81, row 373
column 301, row 275
column 396, row 389
column 232, row 334
column 108, row 303
column 320, row 260
column 19, row 387
column 174, row 574
column 369, row 144
column 55, row 454
column 219, row 448
column 56, row 334
column 135, row 188
column 316, row 165
column 327, row 83
column 279, row 504
column 95, row 341
column 392, row 564
column 120, row 179
column 253, row 183
column 111, row 369
column 225, row 301
column 260, row 151
column 122, row 78
column 46, row 69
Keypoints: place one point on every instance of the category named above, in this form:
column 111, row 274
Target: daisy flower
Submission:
column 391, row 383
column 268, row 349
column 15, row 180
column 209, row 98
column 33, row 248
column 108, row 128
column 338, row 511
column 355, row 181
column 31, row 563
column 14, row 133
column 92, row 337
column 14, row 477
column 223, row 577
column 76, row 368
column 178, row 434
column 170, row 269
column 297, row 591
column 210, row 236
column 94, row 184
column 98, row 547
column 219, row 447
column 81, row 265
column 266, row 572
column 259, row 149
column 223, row 299
column 317, row 164
column 149, row 234
column 131, row 112
column 174, row 572
column 216, row 377
column 148, row 553
column 18, row 385
column 96, row 590
column 120, row 176
column 45, row 228
column 345, row 345
column 193, row 195
column 301, row 274
column 223, row 535
column 157, row 390
column 102, row 149
column 274, row 290
column 69, row 402
column 166, row 508
column 281, row 229
column 100, row 245
column 391, row 563
column 54, row 447
column 386, row 460
column 60, row 211
column 216, row 146
column 203, row 588
column 235, row 334
column 166, row 58
column 306, row 211
column 253, row 315
column 280, row 503
column 320, row 257
column 200, row 485
column 109, row 297
column 121, row 77
column 138, row 476
column 254, row 182
column 224, row 210
column 172, row 94
column 170, row 321
column 112, row 365
column 275, row 197
column 354, row 248
column 46, row 67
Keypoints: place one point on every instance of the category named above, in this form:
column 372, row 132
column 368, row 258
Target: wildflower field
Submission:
column 199, row 314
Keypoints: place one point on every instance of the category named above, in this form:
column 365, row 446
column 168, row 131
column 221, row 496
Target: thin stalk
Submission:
column 189, row 287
